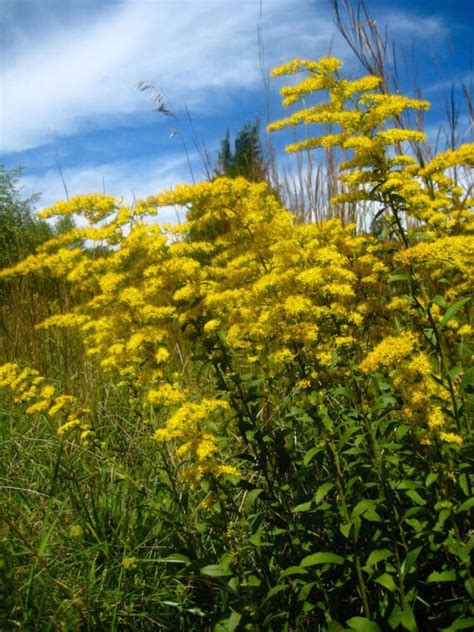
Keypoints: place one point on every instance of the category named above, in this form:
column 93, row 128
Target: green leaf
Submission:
column 415, row 496
column 439, row 300
column 303, row 507
column 275, row 590
column 253, row 580
column 463, row 483
column 408, row 619
column 377, row 556
column 410, row 560
column 371, row 516
column 402, row 431
column 174, row 558
column 215, row 570
column 308, row 457
column 462, row 551
column 398, row 277
column 431, row 478
column 345, row 529
column 256, row 538
column 387, row 582
column 443, row 576
column 460, row 624
column 395, row 617
column 362, row 624
column 321, row 558
column 362, row 506
column 308, row 606
column 366, row 509
column 251, row 499
column 323, row 491
column 293, row 570
column 233, row 621
column 468, row 379
column 305, row 591
column 469, row 588
column 429, row 333
column 341, row 390
column 453, row 310
column 466, row 505
column 406, row 483
column 229, row 625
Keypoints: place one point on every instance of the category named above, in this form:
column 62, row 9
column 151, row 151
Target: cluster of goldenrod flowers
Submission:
column 241, row 285
column 32, row 391
column 412, row 375
column 189, row 425
column 369, row 130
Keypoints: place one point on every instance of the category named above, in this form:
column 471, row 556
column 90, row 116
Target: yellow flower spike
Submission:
column 85, row 434
column 294, row 66
column 212, row 326
column 71, row 423
column 166, row 394
column 436, row 418
column 389, row 352
column 463, row 155
column 94, row 207
column 187, row 426
column 450, row 437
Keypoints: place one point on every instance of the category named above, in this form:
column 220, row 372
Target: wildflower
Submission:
column 435, row 418
column 71, row 423
column 389, row 352
column 76, row 531
column 451, row 437
column 212, row 325
column 129, row 563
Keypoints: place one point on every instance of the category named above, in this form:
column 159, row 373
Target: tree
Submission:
column 20, row 231
column 247, row 158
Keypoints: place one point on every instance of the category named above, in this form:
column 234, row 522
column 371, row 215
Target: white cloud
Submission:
column 405, row 25
column 79, row 74
column 127, row 179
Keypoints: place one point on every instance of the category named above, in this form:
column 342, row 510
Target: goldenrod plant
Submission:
column 281, row 434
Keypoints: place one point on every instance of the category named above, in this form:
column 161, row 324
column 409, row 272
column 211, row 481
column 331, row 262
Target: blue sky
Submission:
column 69, row 69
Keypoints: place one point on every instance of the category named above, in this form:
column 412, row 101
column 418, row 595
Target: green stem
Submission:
column 347, row 516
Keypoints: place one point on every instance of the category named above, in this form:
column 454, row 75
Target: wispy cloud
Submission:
column 129, row 179
column 84, row 74
column 407, row 25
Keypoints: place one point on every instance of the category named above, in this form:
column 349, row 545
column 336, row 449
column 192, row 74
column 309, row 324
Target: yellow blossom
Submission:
column 389, row 352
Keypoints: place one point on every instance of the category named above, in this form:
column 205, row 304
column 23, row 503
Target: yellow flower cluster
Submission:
column 239, row 272
column 188, row 426
column 412, row 376
column 30, row 389
column 389, row 353
column 240, row 285
column 369, row 127
column 94, row 207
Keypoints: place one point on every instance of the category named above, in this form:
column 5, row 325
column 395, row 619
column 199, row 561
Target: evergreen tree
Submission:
column 224, row 164
column 247, row 158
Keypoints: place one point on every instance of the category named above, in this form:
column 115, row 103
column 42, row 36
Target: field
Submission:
column 248, row 421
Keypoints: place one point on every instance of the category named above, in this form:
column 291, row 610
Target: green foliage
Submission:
column 247, row 158
column 341, row 522
column 20, row 231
